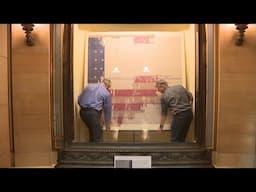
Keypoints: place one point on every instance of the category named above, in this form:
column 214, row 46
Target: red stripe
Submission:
column 141, row 39
column 131, row 92
column 144, row 99
column 131, row 119
column 146, row 79
column 127, row 107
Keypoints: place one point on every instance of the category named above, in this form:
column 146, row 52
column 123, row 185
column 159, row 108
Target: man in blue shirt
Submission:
column 94, row 99
column 179, row 100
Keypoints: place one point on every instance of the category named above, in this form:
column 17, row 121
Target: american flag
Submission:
column 135, row 103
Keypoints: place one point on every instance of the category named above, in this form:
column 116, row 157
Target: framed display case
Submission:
column 134, row 57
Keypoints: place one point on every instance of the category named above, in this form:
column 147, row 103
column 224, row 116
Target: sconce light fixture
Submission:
column 28, row 28
column 241, row 29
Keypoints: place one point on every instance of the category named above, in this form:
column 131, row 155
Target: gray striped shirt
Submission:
column 177, row 99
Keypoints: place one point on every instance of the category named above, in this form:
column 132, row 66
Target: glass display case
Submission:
column 134, row 57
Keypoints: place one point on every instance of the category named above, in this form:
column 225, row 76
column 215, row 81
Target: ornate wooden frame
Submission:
column 163, row 155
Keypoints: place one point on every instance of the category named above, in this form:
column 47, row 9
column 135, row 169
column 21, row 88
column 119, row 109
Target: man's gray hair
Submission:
column 107, row 82
column 161, row 82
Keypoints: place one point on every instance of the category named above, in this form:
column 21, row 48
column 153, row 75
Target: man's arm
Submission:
column 190, row 97
column 162, row 121
column 107, row 111
column 164, row 112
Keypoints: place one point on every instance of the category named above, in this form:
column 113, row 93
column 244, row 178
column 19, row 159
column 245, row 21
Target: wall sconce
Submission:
column 241, row 29
column 28, row 28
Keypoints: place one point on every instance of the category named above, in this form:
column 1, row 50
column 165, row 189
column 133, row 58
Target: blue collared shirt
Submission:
column 96, row 96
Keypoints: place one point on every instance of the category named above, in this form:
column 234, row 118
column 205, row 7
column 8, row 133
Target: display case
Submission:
column 134, row 57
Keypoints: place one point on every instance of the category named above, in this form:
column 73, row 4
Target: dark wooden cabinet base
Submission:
column 102, row 156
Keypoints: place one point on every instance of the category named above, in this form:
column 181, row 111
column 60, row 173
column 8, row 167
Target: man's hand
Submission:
column 161, row 127
column 102, row 120
column 108, row 128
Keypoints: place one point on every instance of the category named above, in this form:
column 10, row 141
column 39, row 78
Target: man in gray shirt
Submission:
column 179, row 100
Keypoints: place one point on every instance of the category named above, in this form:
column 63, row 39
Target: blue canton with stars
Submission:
column 95, row 60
